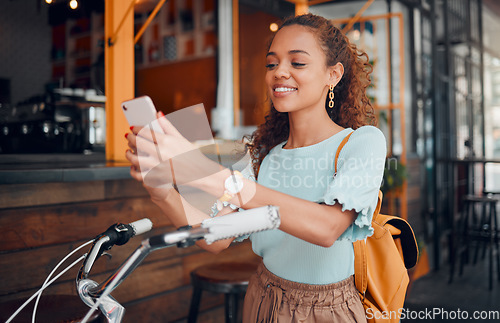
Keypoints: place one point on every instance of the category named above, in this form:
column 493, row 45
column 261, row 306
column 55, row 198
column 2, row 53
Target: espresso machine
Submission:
column 62, row 121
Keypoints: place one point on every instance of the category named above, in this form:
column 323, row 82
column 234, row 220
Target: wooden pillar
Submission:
column 301, row 7
column 119, row 74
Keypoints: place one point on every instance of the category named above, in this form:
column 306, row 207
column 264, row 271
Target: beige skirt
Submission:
column 270, row 298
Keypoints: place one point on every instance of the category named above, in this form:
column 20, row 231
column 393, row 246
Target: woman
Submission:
column 317, row 83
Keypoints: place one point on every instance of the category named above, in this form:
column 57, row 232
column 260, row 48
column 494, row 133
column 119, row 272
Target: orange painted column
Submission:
column 119, row 74
column 301, row 7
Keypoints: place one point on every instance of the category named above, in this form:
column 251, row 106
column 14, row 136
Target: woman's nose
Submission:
column 281, row 71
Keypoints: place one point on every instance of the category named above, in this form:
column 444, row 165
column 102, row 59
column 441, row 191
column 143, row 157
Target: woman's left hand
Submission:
column 167, row 157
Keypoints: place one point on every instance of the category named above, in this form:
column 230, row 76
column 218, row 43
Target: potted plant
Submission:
column 395, row 175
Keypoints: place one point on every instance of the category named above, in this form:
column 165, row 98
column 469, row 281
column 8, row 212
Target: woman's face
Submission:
column 297, row 77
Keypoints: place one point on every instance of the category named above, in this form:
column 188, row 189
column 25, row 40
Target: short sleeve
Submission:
column 356, row 185
column 247, row 173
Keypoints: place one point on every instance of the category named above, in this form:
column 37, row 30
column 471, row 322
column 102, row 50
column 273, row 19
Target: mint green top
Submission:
column 307, row 173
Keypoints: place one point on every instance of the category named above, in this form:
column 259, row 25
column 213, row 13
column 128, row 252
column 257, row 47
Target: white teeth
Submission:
column 284, row 89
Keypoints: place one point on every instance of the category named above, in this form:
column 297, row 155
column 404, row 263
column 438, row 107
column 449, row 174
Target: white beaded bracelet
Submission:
column 215, row 210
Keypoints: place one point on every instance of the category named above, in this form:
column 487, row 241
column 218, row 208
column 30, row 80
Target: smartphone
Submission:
column 141, row 112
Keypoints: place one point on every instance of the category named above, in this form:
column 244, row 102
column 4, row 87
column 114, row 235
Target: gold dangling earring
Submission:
column 332, row 95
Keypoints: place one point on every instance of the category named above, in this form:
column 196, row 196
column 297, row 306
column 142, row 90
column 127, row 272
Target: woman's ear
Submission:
column 336, row 72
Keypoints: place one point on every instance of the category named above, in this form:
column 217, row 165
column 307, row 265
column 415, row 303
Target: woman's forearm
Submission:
column 319, row 224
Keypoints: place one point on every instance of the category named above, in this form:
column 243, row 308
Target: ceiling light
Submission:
column 73, row 4
column 356, row 34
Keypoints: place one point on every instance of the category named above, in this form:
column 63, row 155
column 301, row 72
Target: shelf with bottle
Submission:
column 154, row 54
column 58, row 51
column 58, row 61
column 83, row 47
column 58, row 72
column 97, row 40
column 182, row 30
column 80, row 27
column 82, row 67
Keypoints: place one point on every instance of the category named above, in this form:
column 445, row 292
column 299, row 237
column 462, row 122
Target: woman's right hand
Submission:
column 157, row 193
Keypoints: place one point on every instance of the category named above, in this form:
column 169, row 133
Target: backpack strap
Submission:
column 360, row 257
column 342, row 144
column 360, row 267
column 409, row 248
column 360, row 261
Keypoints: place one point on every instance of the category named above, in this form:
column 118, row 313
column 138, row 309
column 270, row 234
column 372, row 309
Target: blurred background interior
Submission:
column 65, row 66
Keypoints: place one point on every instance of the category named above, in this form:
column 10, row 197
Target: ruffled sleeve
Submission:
column 359, row 175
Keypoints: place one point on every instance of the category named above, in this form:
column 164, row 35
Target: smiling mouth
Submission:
column 285, row 89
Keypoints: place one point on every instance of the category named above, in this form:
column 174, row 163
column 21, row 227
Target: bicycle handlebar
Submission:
column 213, row 229
column 118, row 234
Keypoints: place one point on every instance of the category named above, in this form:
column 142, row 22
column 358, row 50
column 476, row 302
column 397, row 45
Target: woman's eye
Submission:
column 298, row 64
column 270, row 66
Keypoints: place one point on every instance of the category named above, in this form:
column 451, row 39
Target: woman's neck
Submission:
column 309, row 129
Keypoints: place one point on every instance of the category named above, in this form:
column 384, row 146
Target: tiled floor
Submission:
column 433, row 299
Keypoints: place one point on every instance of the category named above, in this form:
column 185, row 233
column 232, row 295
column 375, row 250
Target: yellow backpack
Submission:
column 381, row 263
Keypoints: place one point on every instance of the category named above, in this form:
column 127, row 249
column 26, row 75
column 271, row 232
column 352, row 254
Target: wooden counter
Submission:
column 45, row 212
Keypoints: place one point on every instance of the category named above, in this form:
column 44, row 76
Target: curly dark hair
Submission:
column 352, row 109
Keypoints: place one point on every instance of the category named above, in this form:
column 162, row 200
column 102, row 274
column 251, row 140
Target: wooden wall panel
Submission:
column 28, row 195
column 42, row 226
column 176, row 86
column 119, row 188
column 29, row 261
column 37, row 237
column 255, row 35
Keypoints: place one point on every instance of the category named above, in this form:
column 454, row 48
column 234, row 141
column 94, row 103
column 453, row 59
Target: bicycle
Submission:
column 97, row 296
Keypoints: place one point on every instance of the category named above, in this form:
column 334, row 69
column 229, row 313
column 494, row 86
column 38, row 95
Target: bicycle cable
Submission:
column 51, row 273
column 48, row 284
